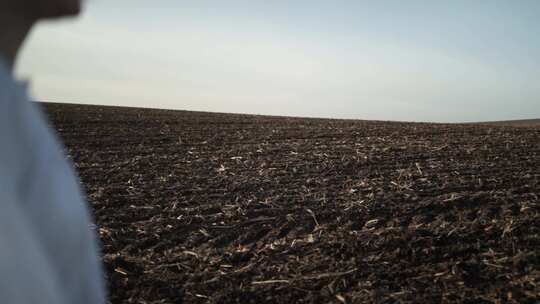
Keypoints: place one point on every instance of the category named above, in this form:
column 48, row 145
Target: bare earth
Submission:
column 516, row 123
column 198, row 207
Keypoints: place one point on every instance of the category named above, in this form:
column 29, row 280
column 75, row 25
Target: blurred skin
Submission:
column 18, row 16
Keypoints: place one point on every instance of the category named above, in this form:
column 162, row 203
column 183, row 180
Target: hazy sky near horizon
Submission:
column 446, row 61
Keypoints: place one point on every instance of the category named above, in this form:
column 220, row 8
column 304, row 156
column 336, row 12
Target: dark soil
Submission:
column 516, row 123
column 219, row 208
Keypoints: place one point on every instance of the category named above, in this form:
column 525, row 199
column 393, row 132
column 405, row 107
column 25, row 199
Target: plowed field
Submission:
column 198, row 207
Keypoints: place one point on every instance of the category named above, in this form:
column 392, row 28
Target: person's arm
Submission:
column 46, row 244
column 53, row 201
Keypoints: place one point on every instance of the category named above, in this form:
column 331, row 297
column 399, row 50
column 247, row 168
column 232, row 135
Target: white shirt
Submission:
column 48, row 251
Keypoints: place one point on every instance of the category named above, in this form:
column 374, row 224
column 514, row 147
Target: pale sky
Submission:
column 445, row 61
